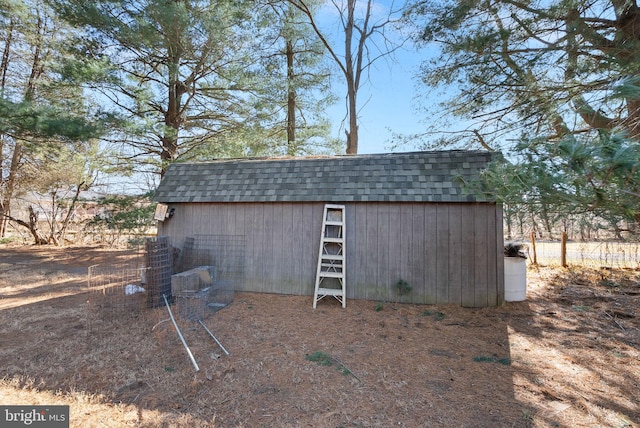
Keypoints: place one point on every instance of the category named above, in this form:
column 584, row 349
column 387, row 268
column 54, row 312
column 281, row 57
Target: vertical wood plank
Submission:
column 287, row 256
column 240, row 229
column 442, row 254
column 295, row 252
column 395, row 244
column 223, row 219
column 273, row 247
column 383, row 238
column 371, row 253
column 250, row 259
column 430, row 253
column 261, row 234
column 456, row 253
column 352, row 224
column 357, row 272
column 490, row 249
column 310, row 244
column 408, row 237
column 499, row 254
column 480, row 255
column 416, row 257
column 467, row 261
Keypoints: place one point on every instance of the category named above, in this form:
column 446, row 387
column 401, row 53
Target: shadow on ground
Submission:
column 545, row 362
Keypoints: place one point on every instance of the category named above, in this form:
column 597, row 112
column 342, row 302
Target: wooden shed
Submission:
column 409, row 216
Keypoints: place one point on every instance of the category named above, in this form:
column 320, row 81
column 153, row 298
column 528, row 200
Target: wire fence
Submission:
column 621, row 255
column 225, row 252
column 197, row 281
column 158, row 260
column 116, row 293
column 211, row 267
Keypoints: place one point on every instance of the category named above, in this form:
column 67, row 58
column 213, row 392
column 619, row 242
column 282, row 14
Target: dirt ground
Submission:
column 569, row 356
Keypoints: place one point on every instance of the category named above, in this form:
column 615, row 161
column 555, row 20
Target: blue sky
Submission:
column 386, row 105
column 387, row 99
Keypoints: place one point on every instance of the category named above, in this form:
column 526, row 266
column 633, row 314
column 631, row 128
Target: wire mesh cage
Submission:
column 192, row 306
column 116, row 291
column 191, row 290
column 124, row 290
column 120, row 293
column 208, row 270
column 158, row 260
column 211, row 267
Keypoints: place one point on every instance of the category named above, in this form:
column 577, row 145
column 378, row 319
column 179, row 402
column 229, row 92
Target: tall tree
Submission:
column 297, row 81
column 365, row 28
column 538, row 68
column 185, row 71
column 574, row 176
column 554, row 84
column 306, row 76
column 35, row 112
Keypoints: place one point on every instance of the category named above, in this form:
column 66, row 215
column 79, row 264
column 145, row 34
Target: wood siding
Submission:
column 449, row 253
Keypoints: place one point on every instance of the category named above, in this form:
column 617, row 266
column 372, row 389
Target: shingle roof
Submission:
column 437, row 176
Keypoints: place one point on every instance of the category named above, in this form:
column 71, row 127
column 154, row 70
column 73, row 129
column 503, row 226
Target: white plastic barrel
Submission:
column 515, row 279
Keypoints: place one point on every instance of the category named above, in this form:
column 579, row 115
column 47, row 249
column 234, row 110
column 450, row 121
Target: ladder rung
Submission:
column 331, row 274
column 334, row 223
column 333, row 240
column 332, row 257
column 330, row 265
column 330, row 291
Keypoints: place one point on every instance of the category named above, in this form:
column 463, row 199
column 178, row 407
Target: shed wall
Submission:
column 450, row 253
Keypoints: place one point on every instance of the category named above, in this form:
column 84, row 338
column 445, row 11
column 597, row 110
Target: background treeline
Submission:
column 114, row 91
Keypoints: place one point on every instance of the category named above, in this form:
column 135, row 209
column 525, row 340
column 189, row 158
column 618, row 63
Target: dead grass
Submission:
column 567, row 357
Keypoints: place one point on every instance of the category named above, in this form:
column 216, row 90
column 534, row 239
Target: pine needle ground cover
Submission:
column 567, row 356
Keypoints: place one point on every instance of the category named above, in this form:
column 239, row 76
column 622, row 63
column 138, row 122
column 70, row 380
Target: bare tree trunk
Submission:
column 32, row 225
column 67, row 219
column 353, row 63
column 508, row 220
column 37, row 69
column 52, row 220
column 533, row 247
column 173, row 114
column 352, row 88
column 291, row 102
column 11, row 179
column 4, row 66
column 170, row 138
column 563, row 250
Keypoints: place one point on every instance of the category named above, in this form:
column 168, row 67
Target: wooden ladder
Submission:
column 330, row 276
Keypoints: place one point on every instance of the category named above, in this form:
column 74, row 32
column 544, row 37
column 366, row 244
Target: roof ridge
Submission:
column 335, row 156
column 436, row 176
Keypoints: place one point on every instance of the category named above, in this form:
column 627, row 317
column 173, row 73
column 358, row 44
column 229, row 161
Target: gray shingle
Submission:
column 393, row 177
